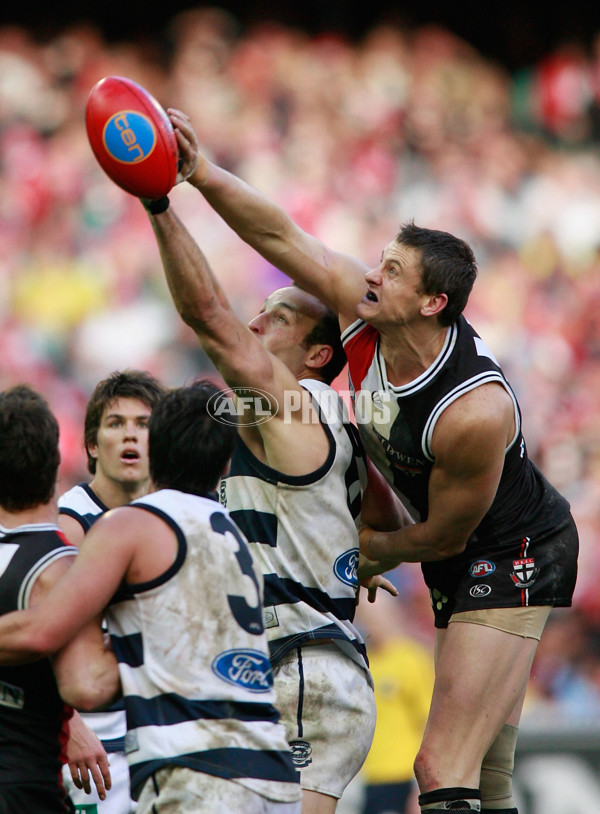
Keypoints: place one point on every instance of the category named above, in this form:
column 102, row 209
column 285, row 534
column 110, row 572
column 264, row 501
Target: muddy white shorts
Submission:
column 177, row 790
column 328, row 710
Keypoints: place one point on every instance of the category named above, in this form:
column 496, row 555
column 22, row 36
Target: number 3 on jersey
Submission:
column 247, row 616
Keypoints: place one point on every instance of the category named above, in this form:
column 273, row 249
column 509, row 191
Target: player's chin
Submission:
column 366, row 310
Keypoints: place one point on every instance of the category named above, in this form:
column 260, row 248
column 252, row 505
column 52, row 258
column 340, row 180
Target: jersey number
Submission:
column 247, row 616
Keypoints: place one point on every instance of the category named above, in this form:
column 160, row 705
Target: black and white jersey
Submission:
column 397, row 425
column 83, row 504
column 33, row 717
column 303, row 532
column 193, row 658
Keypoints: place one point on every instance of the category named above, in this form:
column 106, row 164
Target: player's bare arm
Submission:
column 240, row 357
column 469, row 446
column 87, row 758
column 336, row 279
column 72, row 529
column 75, row 596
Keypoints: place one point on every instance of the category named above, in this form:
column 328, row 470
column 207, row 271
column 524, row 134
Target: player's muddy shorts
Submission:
column 521, row 574
column 328, row 710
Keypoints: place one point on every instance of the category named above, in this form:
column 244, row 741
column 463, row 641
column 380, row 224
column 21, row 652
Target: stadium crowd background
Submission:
column 352, row 138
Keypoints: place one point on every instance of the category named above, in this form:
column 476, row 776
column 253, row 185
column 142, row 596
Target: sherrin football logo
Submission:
column 129, row 137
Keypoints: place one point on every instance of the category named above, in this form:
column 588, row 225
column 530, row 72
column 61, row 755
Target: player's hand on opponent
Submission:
column 85, row 756
column 370, row 578
column 193, row 166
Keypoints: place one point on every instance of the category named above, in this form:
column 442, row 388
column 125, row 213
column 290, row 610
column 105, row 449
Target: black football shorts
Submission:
column 518, row 574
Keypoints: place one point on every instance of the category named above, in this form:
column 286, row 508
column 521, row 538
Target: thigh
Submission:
column 480, row 683
column 176, row 790
column 118, row 799
column 328, row 711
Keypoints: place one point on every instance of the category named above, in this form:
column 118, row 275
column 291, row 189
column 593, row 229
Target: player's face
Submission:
column 394, row 295
column 121, row 448
column 288, row 315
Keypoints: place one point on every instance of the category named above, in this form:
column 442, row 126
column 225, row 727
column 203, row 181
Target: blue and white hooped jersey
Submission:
column 193, row 658
column 84, row 506
column 303, row 532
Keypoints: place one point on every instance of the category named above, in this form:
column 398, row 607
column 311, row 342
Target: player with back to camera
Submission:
column 116, row 445
column 297, row 486
column 185, row 618
column 497, row 542
column 34, row 554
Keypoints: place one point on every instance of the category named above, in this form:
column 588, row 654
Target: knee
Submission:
column 425, row 769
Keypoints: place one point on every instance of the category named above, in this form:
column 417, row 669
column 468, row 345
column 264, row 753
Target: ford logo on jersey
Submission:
column 129, row 137
column 249, row 669
column 345, row 567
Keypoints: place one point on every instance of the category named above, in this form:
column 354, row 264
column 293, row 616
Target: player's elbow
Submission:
column 450, row 545
column 89, row 696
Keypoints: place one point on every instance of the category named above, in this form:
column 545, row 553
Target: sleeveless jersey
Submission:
column 193, row 658
column 303, row 533
column 33, row 717
column 82, row 504
column 397, row 425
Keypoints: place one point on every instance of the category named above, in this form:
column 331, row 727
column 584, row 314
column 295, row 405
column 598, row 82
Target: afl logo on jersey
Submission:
column 249, row 669
column 129, row 137
column 345, row 567
column 481, row 568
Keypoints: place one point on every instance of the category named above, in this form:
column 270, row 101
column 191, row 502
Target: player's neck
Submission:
column 42, row 513
column 409, row 353
column 117, row 493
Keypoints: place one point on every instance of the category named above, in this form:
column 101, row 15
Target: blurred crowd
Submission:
column 352, row 138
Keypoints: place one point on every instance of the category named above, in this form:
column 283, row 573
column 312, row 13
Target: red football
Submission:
column 132, row 137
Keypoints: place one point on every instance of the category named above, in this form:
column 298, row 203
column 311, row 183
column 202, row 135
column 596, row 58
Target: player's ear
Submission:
column 434, row 304
column 318, row 356
column 92, row 450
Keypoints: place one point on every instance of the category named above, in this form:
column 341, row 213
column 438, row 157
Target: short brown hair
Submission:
column 29, row 451
column 128, row 384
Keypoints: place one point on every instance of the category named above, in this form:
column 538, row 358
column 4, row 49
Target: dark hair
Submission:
column 189, row 448
column 448, row 266
column 29, row 452
column 127, row 384
column 327, row 332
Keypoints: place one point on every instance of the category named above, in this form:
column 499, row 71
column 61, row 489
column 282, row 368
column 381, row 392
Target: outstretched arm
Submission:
column 336, row 279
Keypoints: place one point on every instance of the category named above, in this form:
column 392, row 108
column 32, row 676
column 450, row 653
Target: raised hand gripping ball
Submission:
column 132, row 138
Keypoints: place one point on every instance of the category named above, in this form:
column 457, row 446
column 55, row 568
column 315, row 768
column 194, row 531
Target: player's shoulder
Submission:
column 82, row 500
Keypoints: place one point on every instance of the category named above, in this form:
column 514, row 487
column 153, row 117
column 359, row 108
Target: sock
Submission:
column 450, row 799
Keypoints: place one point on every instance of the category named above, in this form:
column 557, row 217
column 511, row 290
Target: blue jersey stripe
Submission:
column 259, row 527
column 128, row 649
column 282, row 591
column 227, row 763
column 170, row 708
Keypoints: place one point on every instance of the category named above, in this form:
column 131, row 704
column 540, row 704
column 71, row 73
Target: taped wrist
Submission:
column 155, row 207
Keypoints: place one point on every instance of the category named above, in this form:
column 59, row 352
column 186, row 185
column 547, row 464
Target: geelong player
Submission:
column 294, row 488
column 497, row 542
column 185, row 617
column 34, row 554
column 116, row 444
